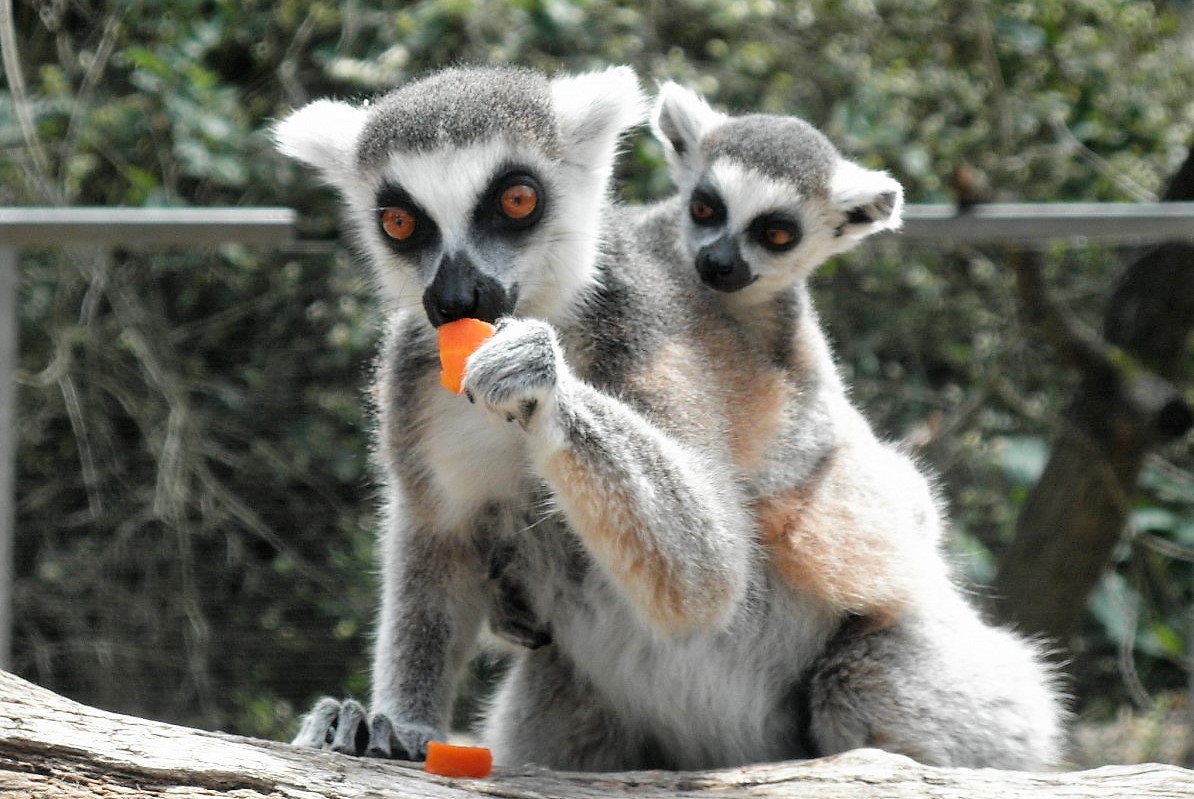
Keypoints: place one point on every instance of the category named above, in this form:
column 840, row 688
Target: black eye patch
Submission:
column 775, row 232
column 706, row 208
column 391, row 198
column 515, row 202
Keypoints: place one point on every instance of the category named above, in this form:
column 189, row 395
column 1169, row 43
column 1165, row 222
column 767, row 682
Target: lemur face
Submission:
column 767, row 199
column 470, row 230
column 475, row 191
column 743, row 229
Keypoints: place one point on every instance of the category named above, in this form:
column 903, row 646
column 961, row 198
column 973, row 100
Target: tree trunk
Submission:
column 1127, row 405
column 53, row 747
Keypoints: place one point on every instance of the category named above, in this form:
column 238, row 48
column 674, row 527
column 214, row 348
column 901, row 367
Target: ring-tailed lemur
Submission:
column 844, row 517
column 590, row 491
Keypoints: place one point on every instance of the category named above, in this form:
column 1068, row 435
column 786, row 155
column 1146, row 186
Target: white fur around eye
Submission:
column 449, row 183
column 747, row 194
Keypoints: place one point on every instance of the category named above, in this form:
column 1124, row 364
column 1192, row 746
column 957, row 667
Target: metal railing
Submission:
column 1028, row 223
column 1135, row 223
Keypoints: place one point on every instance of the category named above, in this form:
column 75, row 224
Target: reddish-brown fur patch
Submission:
column 604, row 514
column 829, row 539
column 752, row 393
column 759, row 399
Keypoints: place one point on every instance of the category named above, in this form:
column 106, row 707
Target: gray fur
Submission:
column 456, row 107
column 785, row 148
column 597, row 477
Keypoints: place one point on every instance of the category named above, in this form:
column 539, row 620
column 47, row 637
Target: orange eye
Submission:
column 701, row 211
column 778, row 237
column 519, row 201
column 398, row 223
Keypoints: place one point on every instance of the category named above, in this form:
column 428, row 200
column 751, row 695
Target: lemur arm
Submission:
column 663, row 523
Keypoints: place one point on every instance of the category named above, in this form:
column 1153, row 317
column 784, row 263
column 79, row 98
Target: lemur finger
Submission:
column 411, row 740
column 319, row 724
column 512, row 372
column 381, row 737
column 352, row 732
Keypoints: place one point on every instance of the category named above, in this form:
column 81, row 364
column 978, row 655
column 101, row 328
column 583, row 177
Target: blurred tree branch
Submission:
column 41, row 174
column 1128, row 404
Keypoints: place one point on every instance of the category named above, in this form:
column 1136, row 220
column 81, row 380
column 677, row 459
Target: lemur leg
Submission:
column 547, row 714
column 432, row 600
column 669, row 529
column 943, row 688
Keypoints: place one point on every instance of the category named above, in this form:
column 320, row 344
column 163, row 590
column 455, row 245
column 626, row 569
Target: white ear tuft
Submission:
column 869, row 199
column 680, row 120
column 593, row 109
column 322, row 134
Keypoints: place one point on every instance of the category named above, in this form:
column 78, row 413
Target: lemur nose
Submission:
column 459, row 289
column 722, row 267
column 457, row 306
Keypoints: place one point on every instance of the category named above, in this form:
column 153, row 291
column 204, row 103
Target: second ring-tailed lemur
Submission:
column 844, row 517
column 594, row 477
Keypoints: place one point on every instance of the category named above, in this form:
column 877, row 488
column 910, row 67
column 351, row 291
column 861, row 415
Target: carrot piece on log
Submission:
column 449, row 760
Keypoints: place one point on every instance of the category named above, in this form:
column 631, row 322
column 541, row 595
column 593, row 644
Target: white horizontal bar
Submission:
column 1131, row 223
column 135, row 227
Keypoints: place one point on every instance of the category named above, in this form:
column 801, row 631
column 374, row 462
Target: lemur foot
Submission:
column 514, row 374
column 347, row 728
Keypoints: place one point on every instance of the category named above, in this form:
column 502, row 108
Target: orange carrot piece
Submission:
column 448, row 760
column 457, row 341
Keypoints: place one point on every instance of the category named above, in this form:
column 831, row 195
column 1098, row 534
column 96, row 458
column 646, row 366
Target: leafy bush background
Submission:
column 195, row 516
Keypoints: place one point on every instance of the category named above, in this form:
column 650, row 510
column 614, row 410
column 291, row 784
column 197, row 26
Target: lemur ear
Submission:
column 592, row 110
column 680, row 120
column 870, row 200
column 322, row 134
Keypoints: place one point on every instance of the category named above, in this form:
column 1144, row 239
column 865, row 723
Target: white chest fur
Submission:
column 474, row 459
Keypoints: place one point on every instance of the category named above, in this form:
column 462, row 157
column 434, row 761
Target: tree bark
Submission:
column 53, row 747
column 1128, row 403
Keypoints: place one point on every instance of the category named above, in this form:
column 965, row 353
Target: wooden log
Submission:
column 53, row 747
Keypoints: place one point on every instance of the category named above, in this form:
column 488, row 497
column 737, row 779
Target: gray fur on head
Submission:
column 786, row 148
column 574, row 118
column 457, row 107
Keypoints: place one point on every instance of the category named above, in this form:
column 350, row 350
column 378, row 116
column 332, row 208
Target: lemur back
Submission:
column 589, row 494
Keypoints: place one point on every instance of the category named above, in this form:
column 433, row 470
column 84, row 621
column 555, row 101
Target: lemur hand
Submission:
column 345, row 727
column 514, row 375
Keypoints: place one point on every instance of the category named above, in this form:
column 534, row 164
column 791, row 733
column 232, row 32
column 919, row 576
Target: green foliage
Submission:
column 195, row 514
